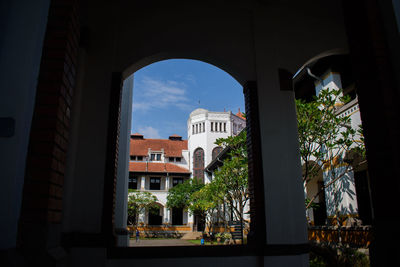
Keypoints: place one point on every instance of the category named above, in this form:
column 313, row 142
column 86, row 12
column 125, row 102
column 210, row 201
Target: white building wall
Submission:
column 206, row 139
column 343, row 190
column 331, row 80
column 166, row 183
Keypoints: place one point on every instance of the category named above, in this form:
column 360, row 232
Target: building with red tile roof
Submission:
column 155, row 166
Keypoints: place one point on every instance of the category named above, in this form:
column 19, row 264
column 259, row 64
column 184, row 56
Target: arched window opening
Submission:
column 172, row 153
column 216, row 151
column 198, row 164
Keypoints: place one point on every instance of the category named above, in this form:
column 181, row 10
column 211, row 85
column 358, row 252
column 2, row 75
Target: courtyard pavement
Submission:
column 159, row 243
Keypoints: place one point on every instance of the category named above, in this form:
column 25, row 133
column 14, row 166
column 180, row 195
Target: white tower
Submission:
column 204, row 128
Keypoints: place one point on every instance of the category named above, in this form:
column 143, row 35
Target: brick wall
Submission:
column 45, row 168
column 257, row 233
column 110, row 179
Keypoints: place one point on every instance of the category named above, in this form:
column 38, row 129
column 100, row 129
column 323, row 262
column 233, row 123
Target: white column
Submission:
column 142, row 183
column 190, row 220
column 166, row 215
column 142, row 217
column 167, row 183
column 284, row 195
column 283, row 190
column 169, row 216
column 121, row 200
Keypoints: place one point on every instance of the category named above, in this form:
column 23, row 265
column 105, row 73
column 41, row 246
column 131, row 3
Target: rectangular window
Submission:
column 155, row 183
column 133, row 157
column 212, row 128
column 171, row 159
column 216, row 126
column 178, row 159
column 132, row 183
column 192, row 129
column 220, row 126
column 225, row 127
column 155, row 157
column 140, row 158
column 176, row 181
column 197, row 128
column 204, row 127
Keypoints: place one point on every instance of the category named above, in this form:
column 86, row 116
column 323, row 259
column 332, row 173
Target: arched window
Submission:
column 198, row 163
column 215, row 152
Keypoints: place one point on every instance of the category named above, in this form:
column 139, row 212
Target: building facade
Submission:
column 155, row 166
column 349, row 195
column 204, row 128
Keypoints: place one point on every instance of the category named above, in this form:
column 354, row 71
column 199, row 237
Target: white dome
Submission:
column 198, row 111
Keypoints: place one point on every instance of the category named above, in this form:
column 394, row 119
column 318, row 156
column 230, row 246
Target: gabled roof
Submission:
column 172, row 148
column 153, row 167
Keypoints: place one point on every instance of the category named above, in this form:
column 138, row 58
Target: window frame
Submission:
column 155, row 178
column 133, row 177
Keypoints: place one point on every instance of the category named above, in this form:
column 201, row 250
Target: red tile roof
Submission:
column 172, row 148
column 240, row 115
column 156, row 167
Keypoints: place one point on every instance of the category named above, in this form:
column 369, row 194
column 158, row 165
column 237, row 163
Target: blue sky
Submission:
column 166, row 92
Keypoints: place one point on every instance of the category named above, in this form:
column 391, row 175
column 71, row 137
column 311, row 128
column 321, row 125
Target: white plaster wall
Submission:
column 166, row 213
column 347, row 199
column 22, row 27
column 206, row 140
column 341, row 193
column 331, row 80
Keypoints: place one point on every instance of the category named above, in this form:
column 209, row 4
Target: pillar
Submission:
column 121, row 200
column 166, row 215
column 142, row 183
column 167, row 181
column 285, row 225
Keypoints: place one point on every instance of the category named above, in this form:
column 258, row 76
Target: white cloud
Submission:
column 149, row 132
column 156, row 94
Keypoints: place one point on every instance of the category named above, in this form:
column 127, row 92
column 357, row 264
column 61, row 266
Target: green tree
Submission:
column 138, row 202
column 231, row 179
column 206, row 202
column 325, row 140
column 180, row 196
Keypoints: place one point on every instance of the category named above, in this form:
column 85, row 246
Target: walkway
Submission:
column 159, row 243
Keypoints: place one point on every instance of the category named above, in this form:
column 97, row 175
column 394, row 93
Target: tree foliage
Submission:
column 180, row 195
column 206, row 202
column 229, row 185
column 138, row 202
column 231, row 179
column 325, row 137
